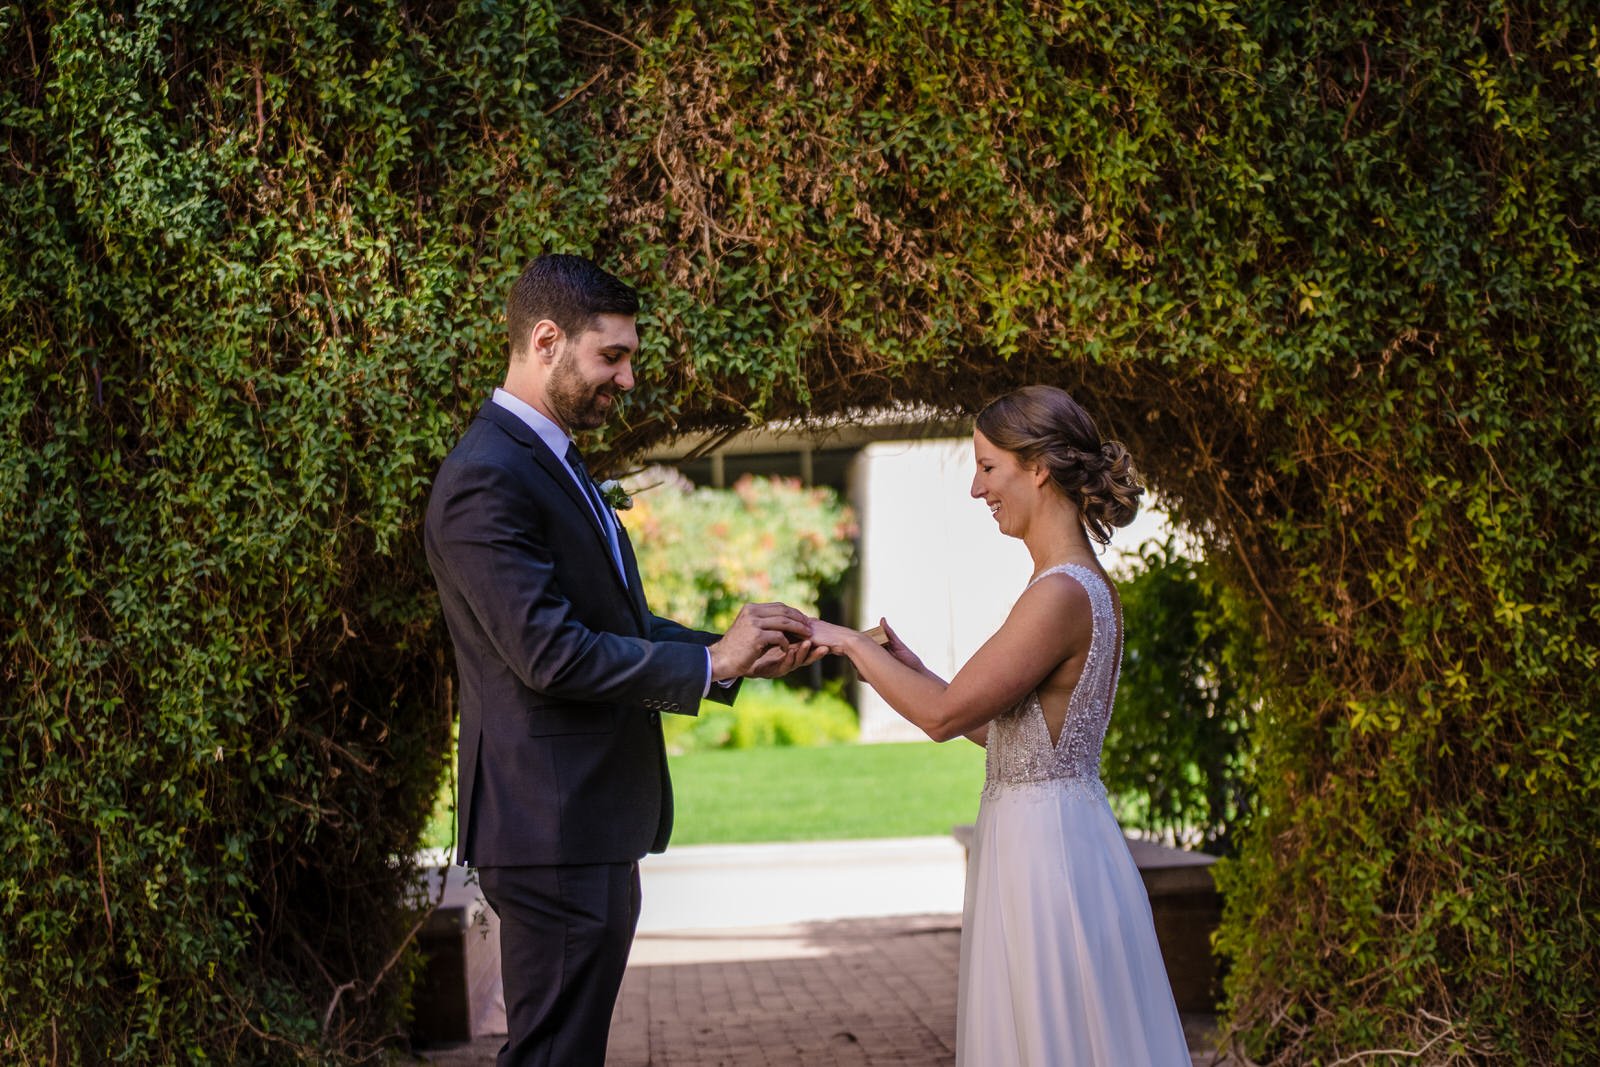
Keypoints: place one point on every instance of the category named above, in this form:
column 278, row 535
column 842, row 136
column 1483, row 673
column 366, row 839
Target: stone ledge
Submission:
column 456, row 998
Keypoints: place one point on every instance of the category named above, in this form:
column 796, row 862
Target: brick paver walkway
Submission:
column 878, row 992
column 852, row 991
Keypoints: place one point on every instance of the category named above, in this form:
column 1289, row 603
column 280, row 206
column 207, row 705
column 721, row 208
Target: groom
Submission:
column 564, row 672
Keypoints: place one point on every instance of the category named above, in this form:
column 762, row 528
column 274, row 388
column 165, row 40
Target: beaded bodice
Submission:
column 1020, row 749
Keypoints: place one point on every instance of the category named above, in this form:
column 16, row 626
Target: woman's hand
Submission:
column 897, row 648
column 858, row 647
column 833, row 637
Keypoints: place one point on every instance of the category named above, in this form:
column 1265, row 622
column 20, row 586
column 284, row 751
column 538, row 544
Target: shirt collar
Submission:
column 551, row 434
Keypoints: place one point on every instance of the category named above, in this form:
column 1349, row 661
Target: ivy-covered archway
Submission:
column 1332, row 277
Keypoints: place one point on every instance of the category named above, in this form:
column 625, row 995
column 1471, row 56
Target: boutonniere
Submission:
column 614, row 495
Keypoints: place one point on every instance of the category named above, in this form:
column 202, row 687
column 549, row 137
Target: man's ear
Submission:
column 544, row 340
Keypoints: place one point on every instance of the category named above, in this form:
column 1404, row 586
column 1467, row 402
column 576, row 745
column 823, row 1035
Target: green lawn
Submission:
column 813, row 794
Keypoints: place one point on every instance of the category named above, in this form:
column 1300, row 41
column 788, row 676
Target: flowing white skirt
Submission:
column 1059, row 961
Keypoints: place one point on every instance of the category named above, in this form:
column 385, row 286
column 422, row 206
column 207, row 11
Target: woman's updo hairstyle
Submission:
column 1041, row 424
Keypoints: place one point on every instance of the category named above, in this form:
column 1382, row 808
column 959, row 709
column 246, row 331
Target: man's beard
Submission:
column 576, row 404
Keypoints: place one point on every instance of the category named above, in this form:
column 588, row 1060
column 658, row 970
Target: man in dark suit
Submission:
column 564, row 672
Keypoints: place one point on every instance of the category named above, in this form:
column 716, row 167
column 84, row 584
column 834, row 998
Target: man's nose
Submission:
column 624, row 375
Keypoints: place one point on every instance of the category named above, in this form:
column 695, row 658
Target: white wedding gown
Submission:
column 1059, row 961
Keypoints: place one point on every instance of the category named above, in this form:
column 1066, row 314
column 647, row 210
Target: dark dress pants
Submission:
column 564, row 939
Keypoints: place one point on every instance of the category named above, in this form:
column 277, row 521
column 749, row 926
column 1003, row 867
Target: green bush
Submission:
column 235, row 283
column 765, row 714
column 1175, row 753
column 703, row 553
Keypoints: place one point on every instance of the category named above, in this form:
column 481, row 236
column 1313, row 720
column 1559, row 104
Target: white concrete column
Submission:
column 934, row 562
column 931, row 560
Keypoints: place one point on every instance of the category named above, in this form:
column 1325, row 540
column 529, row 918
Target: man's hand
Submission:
column 776, row 662
column 764, row 635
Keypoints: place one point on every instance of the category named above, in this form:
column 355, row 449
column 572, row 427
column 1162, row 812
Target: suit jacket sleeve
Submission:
column 667, row 630
column 490, row 536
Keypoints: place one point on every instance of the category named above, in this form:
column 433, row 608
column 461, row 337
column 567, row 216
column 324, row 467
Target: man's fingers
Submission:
column 798, row 627
column 774, row 633
column 771, row 614
column 796, row 656
column 767, row 612
column 768, row 659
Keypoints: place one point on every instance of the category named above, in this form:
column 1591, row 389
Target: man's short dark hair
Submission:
column 569, row 291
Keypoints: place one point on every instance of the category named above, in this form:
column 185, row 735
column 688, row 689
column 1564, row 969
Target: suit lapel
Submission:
column 631, row 565
column 556, row 467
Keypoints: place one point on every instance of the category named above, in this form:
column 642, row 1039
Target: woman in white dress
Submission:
column 1059, row 961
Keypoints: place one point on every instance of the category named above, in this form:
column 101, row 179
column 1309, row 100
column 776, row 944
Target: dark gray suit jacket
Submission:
column 563, row 669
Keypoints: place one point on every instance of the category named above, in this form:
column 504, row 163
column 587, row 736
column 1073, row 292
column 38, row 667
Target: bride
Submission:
column 1059, row 961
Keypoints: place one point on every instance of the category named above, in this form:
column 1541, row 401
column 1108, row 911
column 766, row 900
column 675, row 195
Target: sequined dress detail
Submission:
column 1059, row 961
column 1020, row 752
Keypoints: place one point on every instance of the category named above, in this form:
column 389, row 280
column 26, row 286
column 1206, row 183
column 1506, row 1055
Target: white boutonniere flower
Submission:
column 614, row 495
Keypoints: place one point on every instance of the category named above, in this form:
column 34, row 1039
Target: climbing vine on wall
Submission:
column 1331, row 274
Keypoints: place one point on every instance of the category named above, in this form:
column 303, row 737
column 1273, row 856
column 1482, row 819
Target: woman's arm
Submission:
column 902, row 652
column 1048, row 622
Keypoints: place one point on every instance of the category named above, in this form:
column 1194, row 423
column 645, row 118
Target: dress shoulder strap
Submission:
column 1076, row 570
column 1102, row 606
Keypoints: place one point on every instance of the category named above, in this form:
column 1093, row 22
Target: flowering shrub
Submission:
column 704, row 552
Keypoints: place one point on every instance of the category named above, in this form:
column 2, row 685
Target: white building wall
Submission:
column 933, row 562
